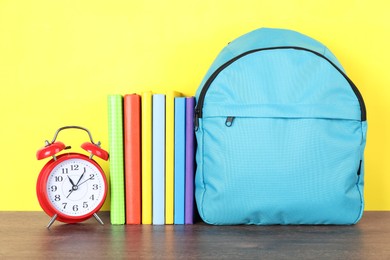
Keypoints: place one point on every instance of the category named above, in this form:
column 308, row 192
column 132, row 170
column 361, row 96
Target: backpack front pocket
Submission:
column 266, row 170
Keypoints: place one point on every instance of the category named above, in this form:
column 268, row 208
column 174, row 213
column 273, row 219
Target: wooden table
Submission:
column 24, row 235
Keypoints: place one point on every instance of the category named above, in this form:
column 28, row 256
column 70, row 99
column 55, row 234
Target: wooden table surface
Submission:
column 23, row 235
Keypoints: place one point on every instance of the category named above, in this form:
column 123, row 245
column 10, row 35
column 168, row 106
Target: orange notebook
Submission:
column 132, row 142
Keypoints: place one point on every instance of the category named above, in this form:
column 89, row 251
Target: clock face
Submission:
column 75, row 187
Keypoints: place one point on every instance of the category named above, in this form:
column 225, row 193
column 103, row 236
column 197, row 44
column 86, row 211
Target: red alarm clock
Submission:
column 71, row 187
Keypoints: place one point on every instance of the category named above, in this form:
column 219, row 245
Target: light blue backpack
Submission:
column 281, row 132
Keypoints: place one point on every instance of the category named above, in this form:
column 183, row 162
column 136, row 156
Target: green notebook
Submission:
column 115, row 137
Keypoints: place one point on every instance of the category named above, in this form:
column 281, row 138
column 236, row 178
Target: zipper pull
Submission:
column 196, row 120
column 229, row 121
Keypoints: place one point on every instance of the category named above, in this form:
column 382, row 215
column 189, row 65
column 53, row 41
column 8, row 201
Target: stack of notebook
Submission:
column 152, row 158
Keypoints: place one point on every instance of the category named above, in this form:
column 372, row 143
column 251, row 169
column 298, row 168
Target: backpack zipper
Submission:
column 199, row 105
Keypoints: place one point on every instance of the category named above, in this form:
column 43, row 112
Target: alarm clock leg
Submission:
column 52, row 220
column 98, row 219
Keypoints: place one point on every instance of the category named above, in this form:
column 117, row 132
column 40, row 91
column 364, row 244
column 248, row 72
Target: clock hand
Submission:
column 74, row 187
column 70, row 192
column 77, row 184
column 85, row 181
column 71, row 181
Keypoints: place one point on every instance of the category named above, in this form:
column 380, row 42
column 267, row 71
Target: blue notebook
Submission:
column 180, row 151
column 158, row 159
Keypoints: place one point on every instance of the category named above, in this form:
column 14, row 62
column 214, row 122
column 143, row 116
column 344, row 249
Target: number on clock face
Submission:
column 75, row 187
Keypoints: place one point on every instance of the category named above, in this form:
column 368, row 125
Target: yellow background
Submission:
column 59, row 59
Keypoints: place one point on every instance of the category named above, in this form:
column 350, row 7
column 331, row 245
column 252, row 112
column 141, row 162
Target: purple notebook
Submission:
column 190, row 161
